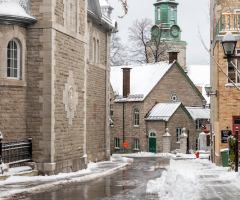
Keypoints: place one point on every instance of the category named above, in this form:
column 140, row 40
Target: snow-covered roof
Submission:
column 199, row 112
column 11, row 12
column 143, row 78
column 162, row 111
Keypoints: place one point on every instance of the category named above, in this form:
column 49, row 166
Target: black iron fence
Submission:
column 15, row 153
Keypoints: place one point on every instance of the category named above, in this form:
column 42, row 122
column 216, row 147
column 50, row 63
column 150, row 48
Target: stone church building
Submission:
column 54, row 79
column 147, row 99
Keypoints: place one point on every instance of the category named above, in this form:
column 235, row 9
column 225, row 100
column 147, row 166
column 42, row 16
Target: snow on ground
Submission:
column 93, row 171
column 182, row 181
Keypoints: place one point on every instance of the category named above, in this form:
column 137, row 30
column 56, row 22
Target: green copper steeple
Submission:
column 166, row 20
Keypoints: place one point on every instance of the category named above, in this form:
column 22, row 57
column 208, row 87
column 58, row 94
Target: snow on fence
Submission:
column 14, row 153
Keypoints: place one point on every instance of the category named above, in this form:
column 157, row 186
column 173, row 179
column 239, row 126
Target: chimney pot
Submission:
column 173, row 55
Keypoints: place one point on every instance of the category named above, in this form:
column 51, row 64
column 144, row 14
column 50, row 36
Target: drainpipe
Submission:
column 214, row 21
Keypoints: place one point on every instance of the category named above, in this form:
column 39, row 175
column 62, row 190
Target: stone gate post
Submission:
column 183, row 142
column 166, row 142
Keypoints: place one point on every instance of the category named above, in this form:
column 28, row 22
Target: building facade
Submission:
column 225, row 107
column 147, row 99
column 55, row 79
column 166, row 33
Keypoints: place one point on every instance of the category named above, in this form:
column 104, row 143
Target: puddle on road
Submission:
column 129, row 183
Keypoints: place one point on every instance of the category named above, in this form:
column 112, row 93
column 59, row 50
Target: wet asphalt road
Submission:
column 128, row 184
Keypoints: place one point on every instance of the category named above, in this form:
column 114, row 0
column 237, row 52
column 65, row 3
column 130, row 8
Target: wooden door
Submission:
column 152, row 145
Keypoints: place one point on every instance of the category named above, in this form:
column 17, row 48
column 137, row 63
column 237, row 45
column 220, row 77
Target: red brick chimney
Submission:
column 173, row 55
column 126, row 81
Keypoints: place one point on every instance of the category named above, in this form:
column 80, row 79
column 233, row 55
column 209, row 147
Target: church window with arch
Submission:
column 13, row 59
column 136, row 117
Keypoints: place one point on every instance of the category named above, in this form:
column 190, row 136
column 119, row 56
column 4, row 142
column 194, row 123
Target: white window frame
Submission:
column 18, row 60
column 136, row 112
column 237, row 64
column 151, row 135
column 179, row 131
column 116, row 143
column 198, row 124
column 158, row 13
column 136, row 144
column 172, row 13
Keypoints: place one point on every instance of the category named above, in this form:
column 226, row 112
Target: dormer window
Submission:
column 172, row 13
column 158, row 13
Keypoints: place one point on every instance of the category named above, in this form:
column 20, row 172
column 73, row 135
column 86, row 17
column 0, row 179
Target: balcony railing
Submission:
column 228, row 22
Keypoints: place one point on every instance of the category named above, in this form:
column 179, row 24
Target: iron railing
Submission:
column 14, row 153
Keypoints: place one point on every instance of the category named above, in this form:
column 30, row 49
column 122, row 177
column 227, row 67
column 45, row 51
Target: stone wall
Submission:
column 13, row 93
column 69, row 56
column 173, row 82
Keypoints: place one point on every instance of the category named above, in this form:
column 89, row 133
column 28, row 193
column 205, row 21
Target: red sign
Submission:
column 125, row 144
column 205, row 130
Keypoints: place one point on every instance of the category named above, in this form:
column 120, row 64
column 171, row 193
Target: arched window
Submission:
column 136, row 117
column 152, row 134
column 13, row 59
column 158, row 13
column 172, row 13
column 93, row 49
column 97, row 51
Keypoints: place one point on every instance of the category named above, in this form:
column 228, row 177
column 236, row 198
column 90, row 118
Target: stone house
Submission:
column 55, row 79
column 225, row 106
column 147, row 99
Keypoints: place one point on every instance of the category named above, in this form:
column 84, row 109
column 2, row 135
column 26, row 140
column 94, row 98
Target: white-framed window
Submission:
column 116, row 143
column 233, row 73
column 93, row 49
column 136, row 144
column 159, row 13
column 179, row 132
column 199, row 124
column 172, row 13
column 136, row 117
column 13, row 59
column 152, row 134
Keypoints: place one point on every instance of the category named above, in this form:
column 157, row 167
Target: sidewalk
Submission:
column 196, row 179
column 18, row 187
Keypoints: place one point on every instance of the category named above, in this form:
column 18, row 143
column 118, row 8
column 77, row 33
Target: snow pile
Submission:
column 144, row 154
column 121, row 159
column 179, row 182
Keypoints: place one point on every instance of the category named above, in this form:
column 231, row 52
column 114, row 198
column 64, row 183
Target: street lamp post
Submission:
column 208, row 89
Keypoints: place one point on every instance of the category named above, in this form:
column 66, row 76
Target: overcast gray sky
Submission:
column 191, row 15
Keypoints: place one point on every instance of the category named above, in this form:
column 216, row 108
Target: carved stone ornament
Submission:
column 70, row 97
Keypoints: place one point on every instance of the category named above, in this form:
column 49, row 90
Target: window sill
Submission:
column 135, row 149
column 178, row 142
column 136, row 126
column 116, row 148
column 13, row 82
column 231, row 85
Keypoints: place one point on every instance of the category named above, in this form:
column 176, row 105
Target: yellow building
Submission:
column 225, row 79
